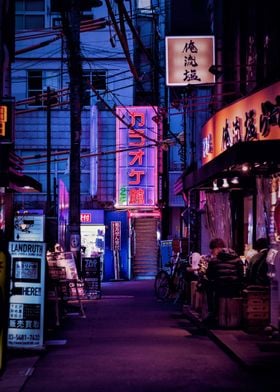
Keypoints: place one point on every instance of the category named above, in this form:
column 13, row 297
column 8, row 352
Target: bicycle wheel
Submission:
column 162, row 285
column 180, row 290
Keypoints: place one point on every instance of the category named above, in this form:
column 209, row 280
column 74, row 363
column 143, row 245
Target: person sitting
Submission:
column 257, row 270
column 224, row 274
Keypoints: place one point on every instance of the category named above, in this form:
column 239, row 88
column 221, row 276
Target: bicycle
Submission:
column 172, row 282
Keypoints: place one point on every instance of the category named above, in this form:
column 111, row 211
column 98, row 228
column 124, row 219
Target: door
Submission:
column 145, row 254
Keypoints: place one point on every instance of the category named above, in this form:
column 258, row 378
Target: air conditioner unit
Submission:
column 56, row 22
column 100, row 104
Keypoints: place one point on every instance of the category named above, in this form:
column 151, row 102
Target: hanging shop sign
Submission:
column 188, row 60
column 63, row 212
column 136, row 158
column 27, row 294
column 256, row 117
column 6, row 120
column 92, row 217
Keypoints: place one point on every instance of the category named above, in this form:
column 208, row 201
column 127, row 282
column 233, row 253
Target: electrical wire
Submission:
column 89, row 155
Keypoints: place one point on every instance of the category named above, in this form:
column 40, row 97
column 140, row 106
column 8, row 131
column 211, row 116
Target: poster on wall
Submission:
column 27, row 295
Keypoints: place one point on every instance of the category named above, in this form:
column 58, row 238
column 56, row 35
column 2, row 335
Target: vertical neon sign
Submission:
column 136, row 159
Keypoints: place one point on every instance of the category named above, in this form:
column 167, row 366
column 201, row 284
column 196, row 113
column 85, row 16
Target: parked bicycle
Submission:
column 171, row 283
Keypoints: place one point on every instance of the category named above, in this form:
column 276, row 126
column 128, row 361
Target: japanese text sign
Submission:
column 188, row 60
column 116, row 235
column 136, row 160
column 254, row 118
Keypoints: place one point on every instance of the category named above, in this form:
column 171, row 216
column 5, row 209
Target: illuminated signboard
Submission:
column 188, row 60
column 27, row 294
column 29, row 227
column 136, row 158
column 6, row 121
column 116, row 235
column 3, row 119
column 92, row 217
column 256, row 117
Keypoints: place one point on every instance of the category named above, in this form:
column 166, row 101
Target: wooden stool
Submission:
column 230, row 312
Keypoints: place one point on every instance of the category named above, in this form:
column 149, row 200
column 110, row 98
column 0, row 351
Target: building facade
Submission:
column 232, row 191
column 122, row 69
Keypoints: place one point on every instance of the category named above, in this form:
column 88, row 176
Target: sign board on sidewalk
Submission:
column 66, row 260
column 91, row 271
column 27, row 294
column 29, row 227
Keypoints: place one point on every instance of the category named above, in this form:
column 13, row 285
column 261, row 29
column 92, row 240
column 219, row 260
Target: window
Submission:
column 37, row 83
column 30, row 14
column 85, row 5
column 144, row 5
column 35, row 87
column 97, row 79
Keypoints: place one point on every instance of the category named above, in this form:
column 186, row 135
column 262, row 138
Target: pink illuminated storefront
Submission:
column 239, row 179
column 137, row 184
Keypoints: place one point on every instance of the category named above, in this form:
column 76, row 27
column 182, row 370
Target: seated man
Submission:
column 224, row 274
column 257, row 270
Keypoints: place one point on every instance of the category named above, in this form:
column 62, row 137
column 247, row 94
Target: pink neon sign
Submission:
column 136, row 160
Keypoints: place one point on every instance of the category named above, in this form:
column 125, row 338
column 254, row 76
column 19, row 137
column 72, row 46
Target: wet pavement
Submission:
column 129, row 341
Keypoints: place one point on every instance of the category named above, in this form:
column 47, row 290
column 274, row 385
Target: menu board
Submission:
column 91, row 271
column 66, row 260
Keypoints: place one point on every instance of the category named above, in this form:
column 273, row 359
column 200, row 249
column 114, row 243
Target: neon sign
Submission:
column 3, row 120
column 136, row 161
column 256, row 117
column 6, row 120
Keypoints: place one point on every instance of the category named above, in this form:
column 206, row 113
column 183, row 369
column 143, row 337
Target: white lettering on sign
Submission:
column 26, row 248
column 85, row 217
column 36, row 291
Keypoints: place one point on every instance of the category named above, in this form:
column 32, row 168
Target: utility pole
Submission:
column 48, row 151
column 70, row 15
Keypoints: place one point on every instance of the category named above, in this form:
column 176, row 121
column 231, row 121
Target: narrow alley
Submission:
column 129, row 341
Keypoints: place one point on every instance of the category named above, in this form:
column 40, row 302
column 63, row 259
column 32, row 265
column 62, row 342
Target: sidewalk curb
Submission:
column 18, row 369
column 244, row 348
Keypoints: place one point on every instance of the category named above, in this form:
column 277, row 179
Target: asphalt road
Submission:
column 131, row 342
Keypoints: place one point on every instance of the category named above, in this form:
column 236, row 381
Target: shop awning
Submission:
column 19, row 182
column 262, row 157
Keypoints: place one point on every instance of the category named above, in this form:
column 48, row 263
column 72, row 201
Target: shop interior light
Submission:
column 235, row 180
column 215, row 186
column 245, row 167
column 225, row 183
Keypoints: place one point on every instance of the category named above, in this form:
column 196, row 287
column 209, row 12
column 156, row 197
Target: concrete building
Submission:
column 120, row 46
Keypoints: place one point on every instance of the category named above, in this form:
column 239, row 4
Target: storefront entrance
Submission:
column 145, row 248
